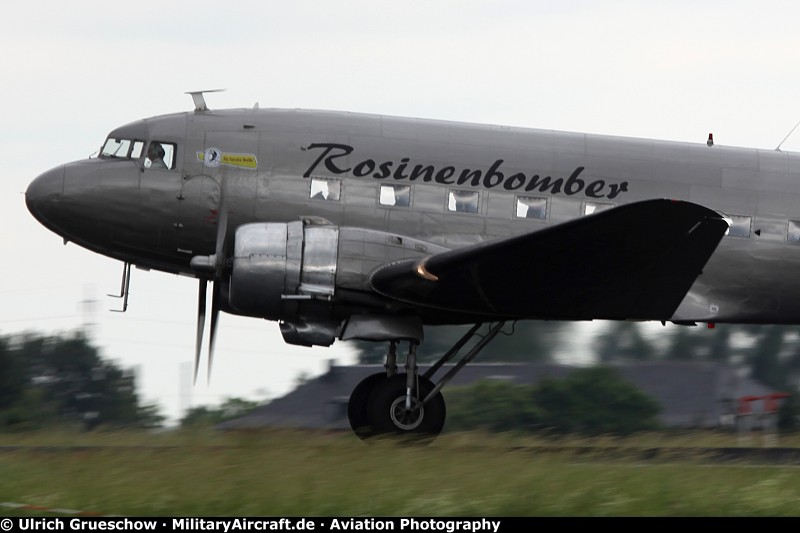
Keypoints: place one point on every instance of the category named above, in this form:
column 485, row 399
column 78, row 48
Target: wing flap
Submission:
column 635, row 261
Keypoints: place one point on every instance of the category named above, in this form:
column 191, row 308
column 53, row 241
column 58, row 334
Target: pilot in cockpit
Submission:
column 155, row 155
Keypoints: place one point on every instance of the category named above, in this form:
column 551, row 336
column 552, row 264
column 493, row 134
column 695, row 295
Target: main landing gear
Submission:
column 407, row 403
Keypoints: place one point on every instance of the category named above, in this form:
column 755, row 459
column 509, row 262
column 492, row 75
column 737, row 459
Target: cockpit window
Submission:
column 122, row 148
column 160, row 155
column 136, row 151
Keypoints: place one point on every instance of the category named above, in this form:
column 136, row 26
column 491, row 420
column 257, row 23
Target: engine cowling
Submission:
column 303, row 274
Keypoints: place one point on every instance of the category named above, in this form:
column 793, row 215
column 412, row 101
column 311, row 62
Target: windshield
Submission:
column 122, row 148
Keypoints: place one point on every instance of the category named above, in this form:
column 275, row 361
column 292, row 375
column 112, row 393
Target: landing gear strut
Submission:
column 408, row 403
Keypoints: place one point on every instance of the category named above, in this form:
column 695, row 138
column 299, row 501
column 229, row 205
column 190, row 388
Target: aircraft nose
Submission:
column 43, row 196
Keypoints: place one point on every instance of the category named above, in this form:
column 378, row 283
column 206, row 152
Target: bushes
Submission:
column 48, row 381
column 493, row 405
column 590, row 401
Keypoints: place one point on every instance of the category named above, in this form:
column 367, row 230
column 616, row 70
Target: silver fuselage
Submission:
column 271, row 161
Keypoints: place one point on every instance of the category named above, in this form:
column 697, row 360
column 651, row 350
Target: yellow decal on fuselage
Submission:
column 214, row 157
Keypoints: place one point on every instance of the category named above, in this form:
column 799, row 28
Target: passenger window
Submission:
column 794, row 231
column 595, row 207
column 531, row 207
column 738, row 225
column 325, row 189
column 462, row 201
column 160, row 155
column 396, row 195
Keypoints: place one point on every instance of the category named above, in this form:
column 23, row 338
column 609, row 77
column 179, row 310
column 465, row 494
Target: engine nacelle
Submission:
column 294, row 273
column 271, row 262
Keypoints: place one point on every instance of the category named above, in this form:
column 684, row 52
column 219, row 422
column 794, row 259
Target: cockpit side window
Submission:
column 136, row 151
column 122, row 149
column 160, row 155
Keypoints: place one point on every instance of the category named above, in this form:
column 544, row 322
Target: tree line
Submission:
column 589, row 401
column 61, row 380
column 769, row 354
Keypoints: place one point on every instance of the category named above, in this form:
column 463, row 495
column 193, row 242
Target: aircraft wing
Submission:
column 635, row 261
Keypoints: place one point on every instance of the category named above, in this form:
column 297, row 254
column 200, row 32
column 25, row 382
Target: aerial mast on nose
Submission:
column 199, row 100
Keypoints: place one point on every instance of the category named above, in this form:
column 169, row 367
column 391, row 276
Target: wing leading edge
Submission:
column 636, row 261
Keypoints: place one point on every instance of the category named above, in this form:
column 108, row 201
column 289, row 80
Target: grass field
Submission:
column 287, row 473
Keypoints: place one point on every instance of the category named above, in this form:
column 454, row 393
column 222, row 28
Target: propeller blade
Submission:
column 201, row 320
column 220, row 259
column 222, row 228
column 211, row 263
column 215, row 306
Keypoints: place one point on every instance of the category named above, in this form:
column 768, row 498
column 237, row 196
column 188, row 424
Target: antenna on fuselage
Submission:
column 199, row 100
column 778, row 148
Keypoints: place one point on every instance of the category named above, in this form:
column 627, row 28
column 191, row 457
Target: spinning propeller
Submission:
column 215, row 265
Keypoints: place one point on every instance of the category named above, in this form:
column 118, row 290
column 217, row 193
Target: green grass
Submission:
column 286, row 473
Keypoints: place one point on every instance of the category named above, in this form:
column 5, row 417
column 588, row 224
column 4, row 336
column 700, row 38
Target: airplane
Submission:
column 342, row 226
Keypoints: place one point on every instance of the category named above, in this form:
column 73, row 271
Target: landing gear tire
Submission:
column 389, row 414
column 358, row 405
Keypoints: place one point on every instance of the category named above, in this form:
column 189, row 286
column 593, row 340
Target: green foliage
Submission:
column 208, row 416
column 765, row 361
column 12, row 377
column 149, row 416
column 494, row 405
column 62, row 380
column 595, row 401
column 590, row 401
column 789, row 414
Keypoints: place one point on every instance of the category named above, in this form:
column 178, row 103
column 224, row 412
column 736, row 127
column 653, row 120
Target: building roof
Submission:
column 691, row 394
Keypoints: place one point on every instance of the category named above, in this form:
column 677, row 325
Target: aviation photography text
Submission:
column 251, row 524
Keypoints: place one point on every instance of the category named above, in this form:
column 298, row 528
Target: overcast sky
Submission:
column 75, row 70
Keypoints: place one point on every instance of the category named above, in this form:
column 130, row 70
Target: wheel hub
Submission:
column 406, row 419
